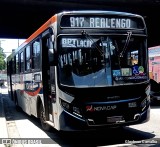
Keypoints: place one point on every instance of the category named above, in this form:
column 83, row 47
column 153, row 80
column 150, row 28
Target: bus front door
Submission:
column 48, row 78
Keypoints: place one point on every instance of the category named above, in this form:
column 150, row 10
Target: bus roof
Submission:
column 54, row 19
column 103, row 12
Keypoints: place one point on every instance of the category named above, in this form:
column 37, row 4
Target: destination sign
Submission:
column 74, row 21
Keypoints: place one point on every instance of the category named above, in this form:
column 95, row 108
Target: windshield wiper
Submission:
column 126, row 44
column 84, row 33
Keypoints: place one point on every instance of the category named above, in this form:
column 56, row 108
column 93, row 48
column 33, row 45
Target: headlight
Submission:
column 148, row 90
column 77, row 111
column 65, row 105
column 70, row 108
column 144, row 104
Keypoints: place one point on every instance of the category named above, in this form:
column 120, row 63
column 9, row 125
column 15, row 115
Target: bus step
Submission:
column 50, row 123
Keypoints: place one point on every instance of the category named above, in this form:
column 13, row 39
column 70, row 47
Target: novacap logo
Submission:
column 92, row 108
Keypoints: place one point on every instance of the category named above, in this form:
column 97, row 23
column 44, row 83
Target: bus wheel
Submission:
column 45, row 126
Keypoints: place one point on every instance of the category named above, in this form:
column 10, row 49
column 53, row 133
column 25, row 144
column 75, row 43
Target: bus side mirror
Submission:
column 52, row 57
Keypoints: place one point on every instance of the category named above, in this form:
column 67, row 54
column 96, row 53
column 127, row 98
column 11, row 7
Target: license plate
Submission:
column 115, row 119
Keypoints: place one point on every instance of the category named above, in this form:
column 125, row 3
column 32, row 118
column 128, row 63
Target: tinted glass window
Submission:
column 17, row 64
column 102, row 60
column 36, row 55
column 22, row 62
column 28, row 54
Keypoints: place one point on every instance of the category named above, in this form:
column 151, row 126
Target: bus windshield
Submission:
column 101, row 60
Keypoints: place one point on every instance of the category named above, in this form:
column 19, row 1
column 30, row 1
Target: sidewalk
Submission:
column 3, row 127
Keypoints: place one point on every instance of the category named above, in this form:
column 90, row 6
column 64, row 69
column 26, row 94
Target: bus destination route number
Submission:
column 99, row 22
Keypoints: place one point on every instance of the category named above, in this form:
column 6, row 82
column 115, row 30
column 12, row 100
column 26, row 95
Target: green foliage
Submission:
column 2, row 59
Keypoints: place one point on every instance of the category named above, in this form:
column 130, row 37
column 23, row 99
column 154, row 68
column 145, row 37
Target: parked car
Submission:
column 155, row 92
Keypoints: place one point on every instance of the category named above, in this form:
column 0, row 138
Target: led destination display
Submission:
column 74, row 21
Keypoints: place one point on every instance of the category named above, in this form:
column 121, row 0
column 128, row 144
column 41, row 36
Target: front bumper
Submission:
column 69, row 122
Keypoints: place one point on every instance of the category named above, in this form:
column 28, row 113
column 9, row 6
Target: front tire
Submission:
column 44, row 125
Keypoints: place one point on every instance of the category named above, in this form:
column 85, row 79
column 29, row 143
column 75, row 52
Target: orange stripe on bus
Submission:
column 33, row 93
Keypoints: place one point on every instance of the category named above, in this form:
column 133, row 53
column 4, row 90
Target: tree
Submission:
column 2, row 59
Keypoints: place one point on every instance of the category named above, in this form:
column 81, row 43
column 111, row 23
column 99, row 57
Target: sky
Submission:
column 9, row 44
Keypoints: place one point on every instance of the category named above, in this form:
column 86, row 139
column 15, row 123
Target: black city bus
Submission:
column 83, row 70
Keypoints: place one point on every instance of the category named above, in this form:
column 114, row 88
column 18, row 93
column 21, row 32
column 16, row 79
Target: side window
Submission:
column 50, row 43
column 21, row 62
column 13, row 66
column 48, row 46
column 27, row 59
column 17, row 64
column 50, row 51
column 36, row 55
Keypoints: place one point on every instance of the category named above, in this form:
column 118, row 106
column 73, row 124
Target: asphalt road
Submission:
column 21, row 125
